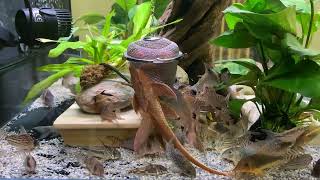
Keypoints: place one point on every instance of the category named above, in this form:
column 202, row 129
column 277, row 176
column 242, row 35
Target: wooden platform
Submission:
column 82, row 129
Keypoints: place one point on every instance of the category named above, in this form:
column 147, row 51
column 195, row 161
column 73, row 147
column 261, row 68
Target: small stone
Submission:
column 62, row 172
column 73, row 164
column 49, row 156
column 63, row 151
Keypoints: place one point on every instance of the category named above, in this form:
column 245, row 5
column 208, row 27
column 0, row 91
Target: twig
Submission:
column 116, row 71
column 310, row 24
column 299, row 100
column 290, row 102
column 264, row 59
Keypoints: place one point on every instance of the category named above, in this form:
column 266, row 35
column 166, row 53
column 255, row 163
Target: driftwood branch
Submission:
column 201, row 22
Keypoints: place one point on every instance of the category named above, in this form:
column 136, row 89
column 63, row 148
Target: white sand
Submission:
column 11, row 164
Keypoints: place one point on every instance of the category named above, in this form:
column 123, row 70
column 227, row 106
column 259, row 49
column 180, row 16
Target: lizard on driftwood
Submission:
column 146, row 102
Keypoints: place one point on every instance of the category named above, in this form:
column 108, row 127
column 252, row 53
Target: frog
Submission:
column 107, row 99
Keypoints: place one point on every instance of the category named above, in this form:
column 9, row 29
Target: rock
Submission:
column 182, row 76
column 45, row 132
column 49, row 156
column 69, row 82
column 62, row 172
column 73, row 164
column 120, row 95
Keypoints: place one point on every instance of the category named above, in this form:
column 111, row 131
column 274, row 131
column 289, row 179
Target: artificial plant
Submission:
column 287, row 83
column 101, row 45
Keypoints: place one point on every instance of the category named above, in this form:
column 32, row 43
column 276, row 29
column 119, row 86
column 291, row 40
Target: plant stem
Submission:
column 116, row 71
column 299, row 100
column 302, row 30
column 261, row 114
column 264, row 59
column 310, row 25
column 290, row 102
column 255, row 103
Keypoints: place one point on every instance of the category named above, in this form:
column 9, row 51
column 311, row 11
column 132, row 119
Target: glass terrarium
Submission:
column 159, row 89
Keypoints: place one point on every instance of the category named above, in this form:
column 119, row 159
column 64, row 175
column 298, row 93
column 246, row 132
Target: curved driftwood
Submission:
column 202, row 20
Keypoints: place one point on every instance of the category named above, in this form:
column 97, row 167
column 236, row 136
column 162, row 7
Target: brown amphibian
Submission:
column 316, row 169
column 257, row 164
column 106, row 98
column 30, row 164
column 151, row 169
column 22, row 141
column 48, row 98
column 94, row 166
column 146, row 101
column 180, row 161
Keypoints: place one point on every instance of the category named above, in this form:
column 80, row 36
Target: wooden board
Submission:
column 82, row 129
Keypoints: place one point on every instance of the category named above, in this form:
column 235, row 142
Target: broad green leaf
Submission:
column 275, row 55
column 235, row 106
column 231, row 21
column 275, row 5
column 257, row 6
column 269, row 38
column 303, row 78
column 247, row 63
column 237, row 38
column 263, row 6
column 301, row 5
column 126, row 5
column 64, row 46
column 233, row 68
column 304, row 20
column 141, row 17
column 39, row 87
column 283, row 66
column 284, row 20
column 251, row 78
column 91, row 18
column 107, row 24
column 294, row 46
column 303, row 8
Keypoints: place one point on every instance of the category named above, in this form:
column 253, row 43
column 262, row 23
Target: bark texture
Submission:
column 202, row 20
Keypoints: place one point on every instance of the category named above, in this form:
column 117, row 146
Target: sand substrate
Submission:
column 54, row 160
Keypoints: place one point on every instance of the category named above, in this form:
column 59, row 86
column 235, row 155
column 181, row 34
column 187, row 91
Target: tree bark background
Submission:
column 202, row 20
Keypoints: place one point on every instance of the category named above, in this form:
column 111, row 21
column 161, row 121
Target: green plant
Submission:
column 101, row 44
column 125, row 10
column 288, row 83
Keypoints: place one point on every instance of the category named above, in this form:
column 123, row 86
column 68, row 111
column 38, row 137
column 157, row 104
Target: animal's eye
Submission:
column 194, row 116
column 246, row 164
column 106, row 94
column 193, row 92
